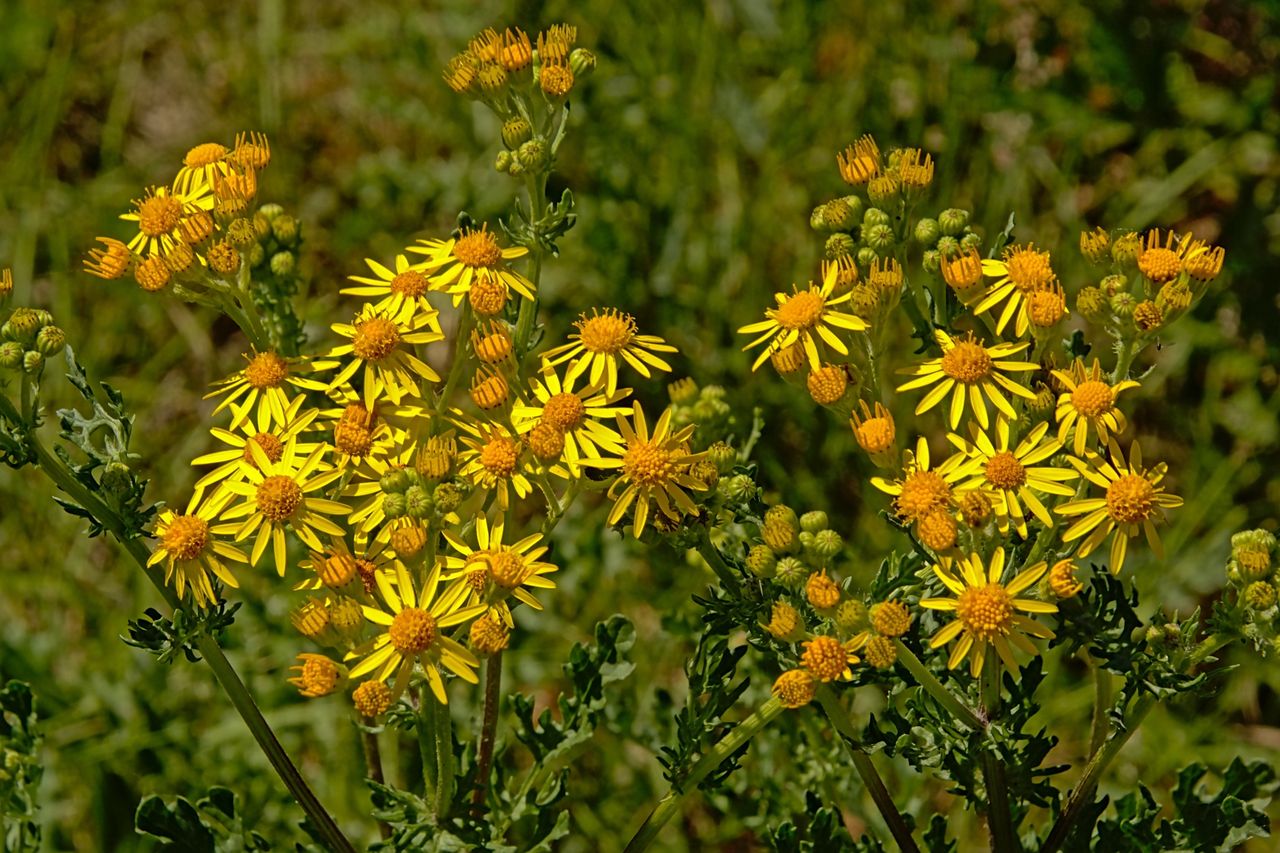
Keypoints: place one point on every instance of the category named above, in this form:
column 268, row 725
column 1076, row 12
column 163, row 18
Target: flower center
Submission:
column 272, row 447
column 499, row 455
column 1131, row 498
column 876, row 435
column 1004, row 471
column 478, row 249
column 478, row 579
column 546, row 441
column 412, row 631
column 967, row 362
column 564, row 411
column 487, row 296
column 204, row 155
column 186, row 537
column 507, row 569
column 648, row 463
column 1160, row 264
column 607, row 333
column 1028, row 268
column 352, row 439
column 802, row 311
column 159, row 214
column 1092, row 398
column 372, row 698
column 922, row 491
column 279, row 498
column 266, row 370
column 319, row 676
column 375, row 339
column 825, row 657
column 937, row 530
column 410, row 283
column 986, row 611
column 1045, row 307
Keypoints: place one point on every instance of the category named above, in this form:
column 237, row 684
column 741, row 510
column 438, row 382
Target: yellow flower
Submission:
column 601, row 340
column 828, row 659
column 968, row 370
column 1089, row 402
column 403, row 292
column 875, row 432
column 263, row 383
column 1134, row 501
column 414, row 634
column 202, row 165
column 190, row 549
column 577, row 414
column 654, row 466
column 270, row 435
column 338, row 566
column 159, row 215
column 804, row 317
column 317, row 675
column 475, row 256
column 278, row 496
column 1008, row 474
column 922, row 489
column 379, row 344
column 493, row 460
column 987, row 612
column 860, row 162
column 1022, row 270
column 361, row 435
column 492, row 571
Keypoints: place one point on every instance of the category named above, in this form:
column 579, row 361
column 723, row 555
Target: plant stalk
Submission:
column 373, row 763
column 488, row 730
column 935, row 688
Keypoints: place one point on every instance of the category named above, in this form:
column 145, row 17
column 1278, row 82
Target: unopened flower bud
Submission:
column 952, row 221
column 826, row 544
column 395, row 480
column 1259, row 595
column 852, row 616
column 1092, row 304
column 32, row 361
column 285, row 228
column 879, row 237
column 738, row 488
column 813, row 521
column 22, row 326
column 931, row 261
column 394, row 505
column 723, row 456
column 241, row 233
column 534, row 155
column 791, row 572
column 11, row 355
column 1125, row 250
column 282, row 264
column 1096, row 245
column 1147, row 315
column 581, row 62
column 515, row 132
column 418, row 502
column 502, row 162
column 838, row 246
column 927, row 232
column 761, row 561
column 875, row 216
column 1122, row 305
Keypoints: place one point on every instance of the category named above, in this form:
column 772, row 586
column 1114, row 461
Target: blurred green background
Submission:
column 696, row 152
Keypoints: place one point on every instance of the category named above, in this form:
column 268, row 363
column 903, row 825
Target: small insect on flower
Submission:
column 1134, row 501
column 601, row 340
column 380, row 344
column 804, row 317
column 402, row 292
column 414, row 633
column 190, row 549
column 1089, row 403
column 967, row 370
column 508, row 570
column 457, row 264
column 263, row 385
column 987, row 612
column 653, row 466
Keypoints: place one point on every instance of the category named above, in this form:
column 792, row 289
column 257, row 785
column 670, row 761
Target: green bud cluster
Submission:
column 406, row 493
column 27, row 338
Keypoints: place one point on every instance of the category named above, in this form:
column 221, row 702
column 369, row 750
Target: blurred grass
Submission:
column 696, row 152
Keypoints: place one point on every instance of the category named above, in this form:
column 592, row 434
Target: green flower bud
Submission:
column 817, row 219
column 581, row 62
column 1093, row 304
column 50, row 340
column 394, row 505
column 739, row 488
column 761, row 561
column 534, row 155
column 257, row 255
column 883, row 188
column 970, row 240
column 502, row 162
column 723, row 456
column 1259, row 595
column 1125, row 250
column 1113, row 284
column 1174, row 298
column 875, row 216
column 948, row 247
column 117, row 478
column 11, row 355
column 813, row 521
column 285, row 228
column 418, row 502
column 241, row 233
column 516, row 132
column 838, row 245
column 282, row 264
column 32, row 361
column 262, row 225
column 1252, row 553
column 927, row 232
column 953, row 220
column 271, row 211
column 931, row 260
column 826, row 544
column 347, row 617
column 852, row 616
column 866, row 257
column 395, row 480
column 1122, row 305
column 805, row 538
column 447, row 497
column 878, row 237
column 22, row 326
column 837, row 215
column 791, row 572
column 516, row 169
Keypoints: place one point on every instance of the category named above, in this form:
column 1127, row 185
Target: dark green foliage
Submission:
column 20, row 741
column 166, row 637
column 211, row 825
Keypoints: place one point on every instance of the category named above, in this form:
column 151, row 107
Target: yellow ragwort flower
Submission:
column 601, row 340
column 414, row 634
column 1013, row 476
column 380, row 344
column 457, row 264
column 264, row 430
column 967, row 370
column 159, row 215
column 317, row 675
column 190, row 549
column 493, row 460
column 493, row 572
column 403, row 291
column 577, row 414
column 1134, row 501
column 263, row 385
column 804, row 317
column 1022, row 270
column 1089, row 403
column 922, row 489
column 987, row 612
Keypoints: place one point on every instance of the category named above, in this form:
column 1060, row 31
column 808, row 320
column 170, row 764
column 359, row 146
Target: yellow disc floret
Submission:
column 410, row 283
column 608, row 333
column 372, row 699
column 985, row 611
column 1131, row 498
column 967, row 362
column 499, row 455
column 825, row 658
column 186, row 537
column 1092, row 398
column 890, row 618
column 266, row 370
column 159, row 214
column 563, row 410
column 478, row 249
column 279, row 498
column 795, row 688
column 800, row 311
column 648, row 463
column 375, row 339
column 413, row 630
column 922, row 492
column 1004, row 471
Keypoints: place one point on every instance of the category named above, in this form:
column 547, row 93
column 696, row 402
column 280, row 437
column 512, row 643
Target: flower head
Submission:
column 380, row 343
column 190, row 549
column 264, row 429
column 601, row 341
column 159, row 215
column 475, row 256
column 922, row 488
column 1089, row 403
column 968, row 370
column 262, row 386
column 494, row 571
column 402, row 291
column 804, row 317
column 577, row 415
column 1022, row 271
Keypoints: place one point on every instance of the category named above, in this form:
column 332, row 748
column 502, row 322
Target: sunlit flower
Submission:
column 1022, row 270
column 317, row 675
column 202, row 165
column 456, row 264
column 271, row 436
column 577, row 414
column 1089, row 403
column 493, row 460
column 160, row 213
column 401, row 292
column 261, row 386
column 922, row 489
column 987, row 612
column 875, row 433
column 601, row 340
column 967, row 370
column 828, row 659
column 492, row 571
column 1134, row 501
column 359, row 434
column 415, row 634
column 190, row 549
column 280, row 496
column 804, row 317
column 653, row 466
column 1014, row 476
column 380, row 344
column 338, row 567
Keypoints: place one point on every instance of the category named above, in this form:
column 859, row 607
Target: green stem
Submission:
column 426, row 739
column 1124, row 358
column 935, row 688
column 444, row 761
column 999, row 817
column 373, row 762
column 537, row 189
column 226, row 675
column 672, row 803
column 867, row 771
column 723, row 570
column 488, row 730
column 1101, row 704
column 459, row 358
